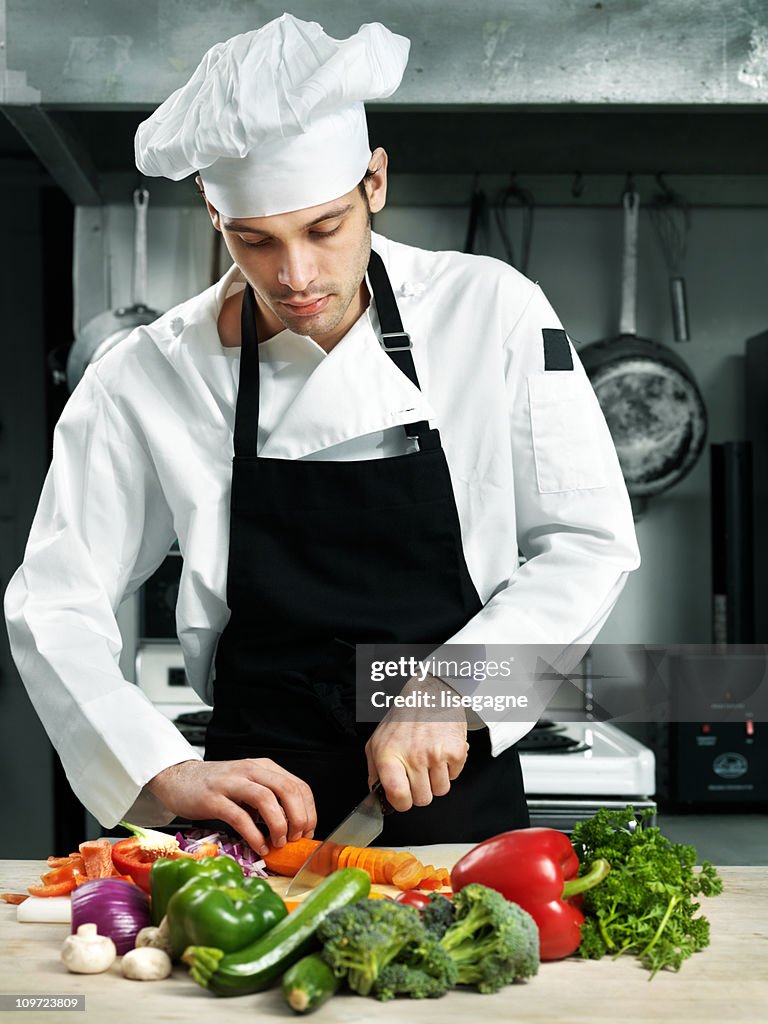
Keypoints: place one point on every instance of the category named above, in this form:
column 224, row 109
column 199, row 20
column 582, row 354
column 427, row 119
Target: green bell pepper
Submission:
column 169, row 874
column 223, row 913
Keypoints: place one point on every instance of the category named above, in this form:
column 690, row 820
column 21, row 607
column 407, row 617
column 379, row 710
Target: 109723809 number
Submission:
column 42, row 1002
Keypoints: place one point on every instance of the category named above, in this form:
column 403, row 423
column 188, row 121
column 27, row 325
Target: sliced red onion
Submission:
column 229, row 846
column 118, row 908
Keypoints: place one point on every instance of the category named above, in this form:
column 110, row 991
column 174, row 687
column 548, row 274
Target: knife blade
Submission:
column 359, row 828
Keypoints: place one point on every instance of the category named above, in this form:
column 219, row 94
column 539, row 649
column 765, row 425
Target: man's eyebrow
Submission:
column 243, row 229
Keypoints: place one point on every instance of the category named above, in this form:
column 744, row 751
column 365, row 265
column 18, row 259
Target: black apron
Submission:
column 324, row 555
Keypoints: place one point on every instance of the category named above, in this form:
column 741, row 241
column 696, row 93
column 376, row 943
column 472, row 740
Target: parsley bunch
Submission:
column 646, row 904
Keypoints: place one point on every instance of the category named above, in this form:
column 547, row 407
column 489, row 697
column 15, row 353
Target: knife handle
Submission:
column 386, row 806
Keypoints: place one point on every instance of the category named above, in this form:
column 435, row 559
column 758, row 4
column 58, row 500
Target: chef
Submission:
column 352, row 440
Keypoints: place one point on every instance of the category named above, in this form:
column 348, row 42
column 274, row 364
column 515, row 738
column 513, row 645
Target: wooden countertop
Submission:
column 727, row 982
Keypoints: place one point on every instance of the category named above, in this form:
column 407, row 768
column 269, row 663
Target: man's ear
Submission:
column 376, row 183
column 212, row 211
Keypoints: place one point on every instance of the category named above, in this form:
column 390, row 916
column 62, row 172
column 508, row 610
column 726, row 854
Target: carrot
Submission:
column 355, row 853
column 408, row 874
column 14, row 898
column 97, row 857
column 384, row 866
column 206, row 850
column 287, row 860
column 393, row 864
column 365, row 862
column 372, row 862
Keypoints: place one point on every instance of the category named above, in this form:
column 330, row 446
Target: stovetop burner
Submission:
column 548, row 737
column 192, row 725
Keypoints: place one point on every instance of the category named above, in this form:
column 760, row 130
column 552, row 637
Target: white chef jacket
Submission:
column 142, row 455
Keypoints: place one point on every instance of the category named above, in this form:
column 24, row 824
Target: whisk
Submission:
column 671, row 218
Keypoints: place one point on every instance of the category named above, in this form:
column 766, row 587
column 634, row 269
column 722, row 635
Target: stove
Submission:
column 572, row 769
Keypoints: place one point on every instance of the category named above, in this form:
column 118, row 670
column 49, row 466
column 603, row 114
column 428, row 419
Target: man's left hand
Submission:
column 417, row 752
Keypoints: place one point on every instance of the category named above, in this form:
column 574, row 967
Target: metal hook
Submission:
column 668, row 192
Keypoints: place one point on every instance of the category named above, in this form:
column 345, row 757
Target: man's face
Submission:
column 306, row 267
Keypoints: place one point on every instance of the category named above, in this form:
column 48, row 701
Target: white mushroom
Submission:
column 87, row 952
column 146, row 964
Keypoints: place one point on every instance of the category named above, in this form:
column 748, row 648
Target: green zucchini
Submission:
column 257, row 966
column 309, row 983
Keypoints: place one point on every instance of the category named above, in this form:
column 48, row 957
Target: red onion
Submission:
column 118, row 908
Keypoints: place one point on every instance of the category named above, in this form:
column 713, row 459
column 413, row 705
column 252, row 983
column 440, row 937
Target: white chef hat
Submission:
column 273, row 119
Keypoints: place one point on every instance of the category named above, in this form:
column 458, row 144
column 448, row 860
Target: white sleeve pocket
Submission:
column 567, row 447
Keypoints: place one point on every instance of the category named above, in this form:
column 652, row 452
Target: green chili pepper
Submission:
column 223, row 912
column 169, row 874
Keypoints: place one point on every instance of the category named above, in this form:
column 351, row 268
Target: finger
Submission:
column 396, row 784
column 292, row 793
column 373, row 775
column 311, row 813
column 421, row 790
column 308, row 824
column 263, row 800
column 297, row 802
column 439, row 779
column 242, row 822
column 456, row 762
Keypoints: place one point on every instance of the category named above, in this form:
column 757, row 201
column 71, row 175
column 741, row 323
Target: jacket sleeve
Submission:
column 101, row 528
column 574, row 520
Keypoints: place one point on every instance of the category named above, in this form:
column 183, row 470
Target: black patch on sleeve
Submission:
column 557, row 351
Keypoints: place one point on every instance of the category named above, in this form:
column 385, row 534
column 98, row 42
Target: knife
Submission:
column 359, row 828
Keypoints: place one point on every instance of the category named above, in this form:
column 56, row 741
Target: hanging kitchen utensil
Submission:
column 671, row 217
column 648, row 394
column 105, row 330
column 477, row 217
column 513, row 193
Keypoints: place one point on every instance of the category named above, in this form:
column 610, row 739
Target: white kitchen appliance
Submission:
column 572, row 769
column 160, row 674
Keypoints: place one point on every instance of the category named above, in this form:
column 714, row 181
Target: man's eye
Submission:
column 324, row 234
column 253, row 245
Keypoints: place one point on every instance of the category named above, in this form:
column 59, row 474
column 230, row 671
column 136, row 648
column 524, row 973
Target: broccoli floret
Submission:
column 421, row 972
column 437, row 916
column 492, row 942
column 360, row 939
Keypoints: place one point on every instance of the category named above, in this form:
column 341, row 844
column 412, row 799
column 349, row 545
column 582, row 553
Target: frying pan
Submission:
column 106, row 329
column 649, row 397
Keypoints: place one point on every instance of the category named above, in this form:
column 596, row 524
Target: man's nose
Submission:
column 298, row 268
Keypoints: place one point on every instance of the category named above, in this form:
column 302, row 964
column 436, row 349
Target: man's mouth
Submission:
column 307, row 308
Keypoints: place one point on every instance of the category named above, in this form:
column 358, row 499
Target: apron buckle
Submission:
column 391, row 346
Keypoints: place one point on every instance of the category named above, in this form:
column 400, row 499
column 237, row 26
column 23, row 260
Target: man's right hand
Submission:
column 238, row 791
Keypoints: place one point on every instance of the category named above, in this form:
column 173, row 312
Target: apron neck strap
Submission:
column 397, row 343
column 394, row 340
column 247, row 405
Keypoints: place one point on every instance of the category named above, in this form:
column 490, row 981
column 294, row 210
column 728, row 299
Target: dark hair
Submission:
column 361, row 184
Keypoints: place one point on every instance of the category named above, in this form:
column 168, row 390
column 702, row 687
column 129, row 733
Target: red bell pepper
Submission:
column 535, row 868
column 135, row 856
